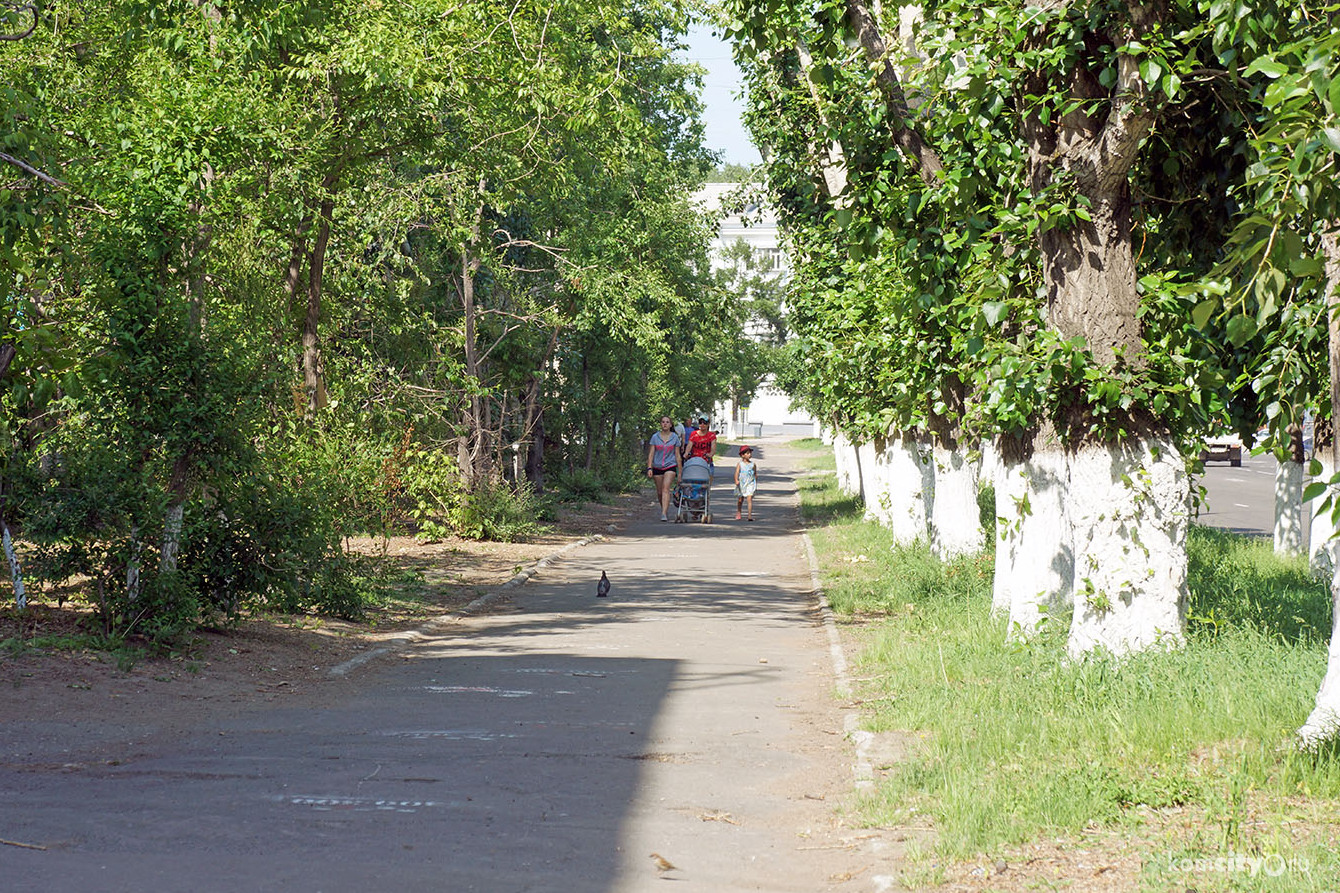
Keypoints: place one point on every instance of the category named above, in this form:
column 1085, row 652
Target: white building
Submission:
column 770, row 411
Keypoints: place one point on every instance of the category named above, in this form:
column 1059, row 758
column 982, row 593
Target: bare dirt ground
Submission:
column 262, row 658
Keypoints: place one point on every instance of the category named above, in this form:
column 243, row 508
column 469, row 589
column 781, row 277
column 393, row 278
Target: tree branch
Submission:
column 911, row 143
column 17, row 10
column 28, row 168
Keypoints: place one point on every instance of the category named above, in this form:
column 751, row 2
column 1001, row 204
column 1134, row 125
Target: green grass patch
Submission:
column 821, row 502
column 1020, row 743
column 118, row 647
column 817, row 456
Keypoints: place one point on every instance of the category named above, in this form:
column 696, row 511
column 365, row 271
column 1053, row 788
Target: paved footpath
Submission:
column 552, row 744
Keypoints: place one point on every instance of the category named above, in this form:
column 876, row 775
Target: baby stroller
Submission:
column 693, row 493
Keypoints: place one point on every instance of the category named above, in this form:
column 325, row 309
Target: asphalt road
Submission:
column 553, row 745
column 1242, row 499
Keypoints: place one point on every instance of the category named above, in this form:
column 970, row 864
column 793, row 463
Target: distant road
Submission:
column 1241, row 499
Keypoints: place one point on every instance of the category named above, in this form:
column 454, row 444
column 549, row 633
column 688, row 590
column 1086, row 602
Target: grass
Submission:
column 125, row 654
column 1020, row 743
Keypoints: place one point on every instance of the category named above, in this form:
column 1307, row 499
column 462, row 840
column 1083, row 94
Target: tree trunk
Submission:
column 898, row 486
column 848, row 468
column 956, row 520
column 1130, row 507
column 172, row 526
column 1128, row 538
column 874, row 486
column 293, row 282
column 588, row 429
column 1323, row 723
column 1089, row 270
column 1035, row 557
column 833, row 166
column 534, row 432
column 1323, row 544
column 1289, row 496
column 179, row 479
column 535, row 455
column 15, row 570
column 313, row 375
column 470, row 452
column 172, row 519
column 133, row 565
column 865, row 25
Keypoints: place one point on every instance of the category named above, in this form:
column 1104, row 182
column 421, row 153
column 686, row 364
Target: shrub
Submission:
column 433, row 491
column 579, row 485
column 499, row 512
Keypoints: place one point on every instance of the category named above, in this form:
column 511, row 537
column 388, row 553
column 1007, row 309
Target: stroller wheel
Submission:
column 707, row 518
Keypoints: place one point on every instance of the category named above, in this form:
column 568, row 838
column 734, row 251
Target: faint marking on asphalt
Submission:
column 477, row 689
column 361, row 804
column 449, row 734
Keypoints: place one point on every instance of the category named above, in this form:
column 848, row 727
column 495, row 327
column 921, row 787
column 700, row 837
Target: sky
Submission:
column 722, row 98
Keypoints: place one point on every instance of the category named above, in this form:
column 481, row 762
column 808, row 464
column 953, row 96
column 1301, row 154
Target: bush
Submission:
column 498, row 512
column 432, row 490
column 579, row 485
column 263, row 545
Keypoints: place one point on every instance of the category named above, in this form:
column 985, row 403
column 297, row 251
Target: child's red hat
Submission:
column 746, row 449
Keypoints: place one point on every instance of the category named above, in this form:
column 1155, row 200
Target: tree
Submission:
column 1285, row 240
column 323, row 266
column 993, row 181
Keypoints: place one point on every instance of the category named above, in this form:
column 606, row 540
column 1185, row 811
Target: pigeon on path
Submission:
column 603, row 587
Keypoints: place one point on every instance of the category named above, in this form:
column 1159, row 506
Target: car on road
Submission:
column 1223, row 448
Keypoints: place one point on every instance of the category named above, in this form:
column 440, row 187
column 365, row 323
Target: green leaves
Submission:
column 1266, row 65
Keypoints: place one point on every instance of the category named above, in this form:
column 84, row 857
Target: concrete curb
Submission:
column 862, row 772
column 494, row 595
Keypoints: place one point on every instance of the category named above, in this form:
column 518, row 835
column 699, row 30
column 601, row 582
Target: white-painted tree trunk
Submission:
column 956, row 520
column 1288, row 507
column 1323, row 543
column 871, row 486
column 1035, row 562
column 990, row 465
column 848, row 466
column 15, row 570
column 1323, row 723
column 910, row 487
column 133, row 566
column 1130, row 506
column 172, row 523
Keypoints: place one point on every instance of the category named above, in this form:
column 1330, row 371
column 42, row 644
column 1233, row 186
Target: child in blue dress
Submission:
column 746, row 481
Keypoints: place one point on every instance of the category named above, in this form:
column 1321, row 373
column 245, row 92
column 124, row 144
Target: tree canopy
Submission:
column 276, row 272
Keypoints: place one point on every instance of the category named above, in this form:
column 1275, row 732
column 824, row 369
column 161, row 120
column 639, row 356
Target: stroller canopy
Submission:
column 696, row 469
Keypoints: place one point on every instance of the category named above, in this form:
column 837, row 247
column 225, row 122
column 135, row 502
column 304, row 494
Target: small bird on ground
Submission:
column 663, row 864
column 603, row 587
